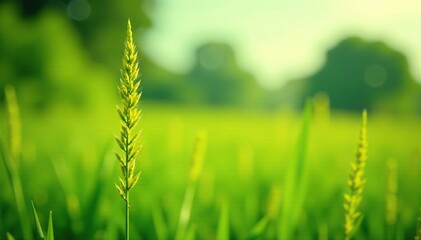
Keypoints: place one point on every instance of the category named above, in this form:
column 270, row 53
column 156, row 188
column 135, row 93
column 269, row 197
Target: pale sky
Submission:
column 279, row 40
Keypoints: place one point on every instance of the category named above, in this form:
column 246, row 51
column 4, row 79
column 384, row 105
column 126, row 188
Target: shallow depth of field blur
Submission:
column 237, row 72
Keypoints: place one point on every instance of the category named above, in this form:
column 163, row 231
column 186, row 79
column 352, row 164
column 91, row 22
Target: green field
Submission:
column 67, row 165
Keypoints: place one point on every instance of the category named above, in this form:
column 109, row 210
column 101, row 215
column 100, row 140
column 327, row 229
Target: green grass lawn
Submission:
column 68, row 166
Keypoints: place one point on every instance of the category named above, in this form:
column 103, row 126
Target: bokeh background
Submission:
column 240, row 71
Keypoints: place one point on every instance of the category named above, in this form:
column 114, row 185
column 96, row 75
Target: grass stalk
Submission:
column 129, row 117
column 194, row 174
column 272, row 212
column 161, row 228
column 14, row 127
column 50, row 229
column 223, row 230
column 391, row 206
column 9, row 236
column 295, row 186
column 356, row 182
column 11, row 156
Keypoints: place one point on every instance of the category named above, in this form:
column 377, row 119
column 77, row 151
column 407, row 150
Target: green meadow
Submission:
column 67, row 165
column 330, row 151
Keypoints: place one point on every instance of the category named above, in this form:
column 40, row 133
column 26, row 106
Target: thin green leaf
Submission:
column 161, row 227
column 223, row 232
column 295, row 182
column 37, row 223
column 9, row 236
column 50, row 230
column 103, row 176
column 191, row 233
column 259, row 229
column 185, row 212
column 16, row 185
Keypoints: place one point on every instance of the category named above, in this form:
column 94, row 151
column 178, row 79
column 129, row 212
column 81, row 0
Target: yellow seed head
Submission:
column 129, row 117
column 356, row 183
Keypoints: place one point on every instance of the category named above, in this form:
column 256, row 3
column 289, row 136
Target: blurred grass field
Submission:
column 68, row 166
column 270, row 170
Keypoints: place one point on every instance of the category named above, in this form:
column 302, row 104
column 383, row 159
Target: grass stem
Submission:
column 129, row 117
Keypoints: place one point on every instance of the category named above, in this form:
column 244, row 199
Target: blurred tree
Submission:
column 289, row 96
column 219, row 80
column 360, row 74
column 99, row 22
column 163, row 85
column 43, row 58
column 96, row 28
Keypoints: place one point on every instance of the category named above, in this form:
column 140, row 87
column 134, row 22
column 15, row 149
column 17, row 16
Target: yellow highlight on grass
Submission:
column 197, row 161
column 14, row 128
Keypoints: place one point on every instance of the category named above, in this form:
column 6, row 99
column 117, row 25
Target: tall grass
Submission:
column 295, row 182
column 50, row 229
column 356, row 182
column 129, row 117
column 223, row 231
column 11, row 158
column 391, row 206
column 194, row 174
column 262, row 227
column 14, row 128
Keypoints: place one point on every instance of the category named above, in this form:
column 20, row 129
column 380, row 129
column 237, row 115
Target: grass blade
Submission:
column 161, row 228
column 37, row 223
column 191, row 233
column 10, row 157
column 14, row 126
column 223, row 232
column 194, row 175
column 295, row 182
column 272, row 211
column 50, row 230
column 9, row 236
column 259, row 229
column 16, row 186
column 103, row 176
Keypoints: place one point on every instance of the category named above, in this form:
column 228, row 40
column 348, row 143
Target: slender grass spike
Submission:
column 129, row 117
column 356, row 182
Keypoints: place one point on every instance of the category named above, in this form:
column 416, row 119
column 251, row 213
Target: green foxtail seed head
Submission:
column 356, row 183
column 129, row 117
